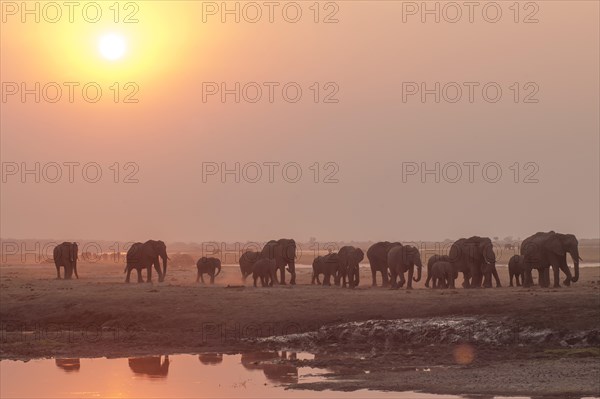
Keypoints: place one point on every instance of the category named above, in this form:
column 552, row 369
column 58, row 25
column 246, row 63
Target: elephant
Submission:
column 246, row 261
column 145, row 256
column 443, row 274
column 542, row 250
column 349, row 259
column 65, row 254
column 474, row 257
column 151, row 366
column 430, row 263
column 68, row 365
column 516, row 269
column 327, row 265
column 210, row 358
column 208, row 266
column 283, row 251
column 377, row 255
column 276, row 367
column 266, row 270
column 403, row 258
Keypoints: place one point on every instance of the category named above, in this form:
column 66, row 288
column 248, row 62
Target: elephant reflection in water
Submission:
column 152, row 366
column 274, row 365
column 210, row 359
column 68, row 365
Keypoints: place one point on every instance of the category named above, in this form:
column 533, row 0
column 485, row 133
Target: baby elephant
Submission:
column 266, row 270
column 443, row 274
column 208, row 266
column 516, row 269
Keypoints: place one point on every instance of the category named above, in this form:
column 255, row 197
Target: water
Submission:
column 209, row 375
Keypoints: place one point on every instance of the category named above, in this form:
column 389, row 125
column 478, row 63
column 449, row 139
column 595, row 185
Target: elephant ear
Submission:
column 454, row 253
column 555, row 245
column 360, row 255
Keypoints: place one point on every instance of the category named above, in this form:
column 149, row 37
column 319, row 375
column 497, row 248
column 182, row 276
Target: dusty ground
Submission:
column 99, row 315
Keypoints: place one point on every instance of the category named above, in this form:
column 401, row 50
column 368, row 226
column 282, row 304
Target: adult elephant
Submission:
column 151, row 366
column 246, row 261
column 378, row 260
column 68, row 365
column 65, row 255
column 144, row 256
column 474, row 257
column 210, row 359
column 208, row 266
column 327, row 265
column 430, row 262
column 349, row 258
column 542, row 250
column 283, row 251
column 403, row 258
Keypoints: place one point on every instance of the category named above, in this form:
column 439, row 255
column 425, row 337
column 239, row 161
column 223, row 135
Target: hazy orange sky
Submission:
column 368, row 133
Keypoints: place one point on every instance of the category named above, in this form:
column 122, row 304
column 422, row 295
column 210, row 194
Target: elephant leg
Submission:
column 393, row 283
column 68, row 272
column 318, row 280
column 496, row 277
column 374, row 277
column 292, row 270
column 466, row 280
column 212, row 277
column 556, row 271
column 401, row 280
column 428, row 276
column 542, row 278
column 565, row 268
column 255, row 278
column 149, row 273
column 411, row 271
column 202, row 277
column 282, row 274
column 451, row 282
column 139, row 274
column 58, row 272
column 128, row 274
column 198, row 276
column 510, row 279
column 161, row 278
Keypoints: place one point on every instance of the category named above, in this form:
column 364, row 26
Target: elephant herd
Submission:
column 276, row 366
column 474, row 257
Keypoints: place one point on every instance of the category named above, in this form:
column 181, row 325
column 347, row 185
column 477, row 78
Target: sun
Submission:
column 112, row 46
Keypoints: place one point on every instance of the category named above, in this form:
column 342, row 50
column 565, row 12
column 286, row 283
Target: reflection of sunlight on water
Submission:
column 208, row 375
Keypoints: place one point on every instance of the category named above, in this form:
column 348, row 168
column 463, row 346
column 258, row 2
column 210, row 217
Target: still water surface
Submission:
column 209, row 375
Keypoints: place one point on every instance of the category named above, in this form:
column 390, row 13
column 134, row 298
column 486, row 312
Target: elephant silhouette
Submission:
column 276, row 367
column 210, row 358
column 68, row 365
column 152, row 366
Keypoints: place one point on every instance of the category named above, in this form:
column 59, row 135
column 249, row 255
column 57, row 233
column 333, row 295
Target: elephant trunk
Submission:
column 165, row 258
column 218, row 269
column 418, row 278
column 576, row 259
column 72, row 252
